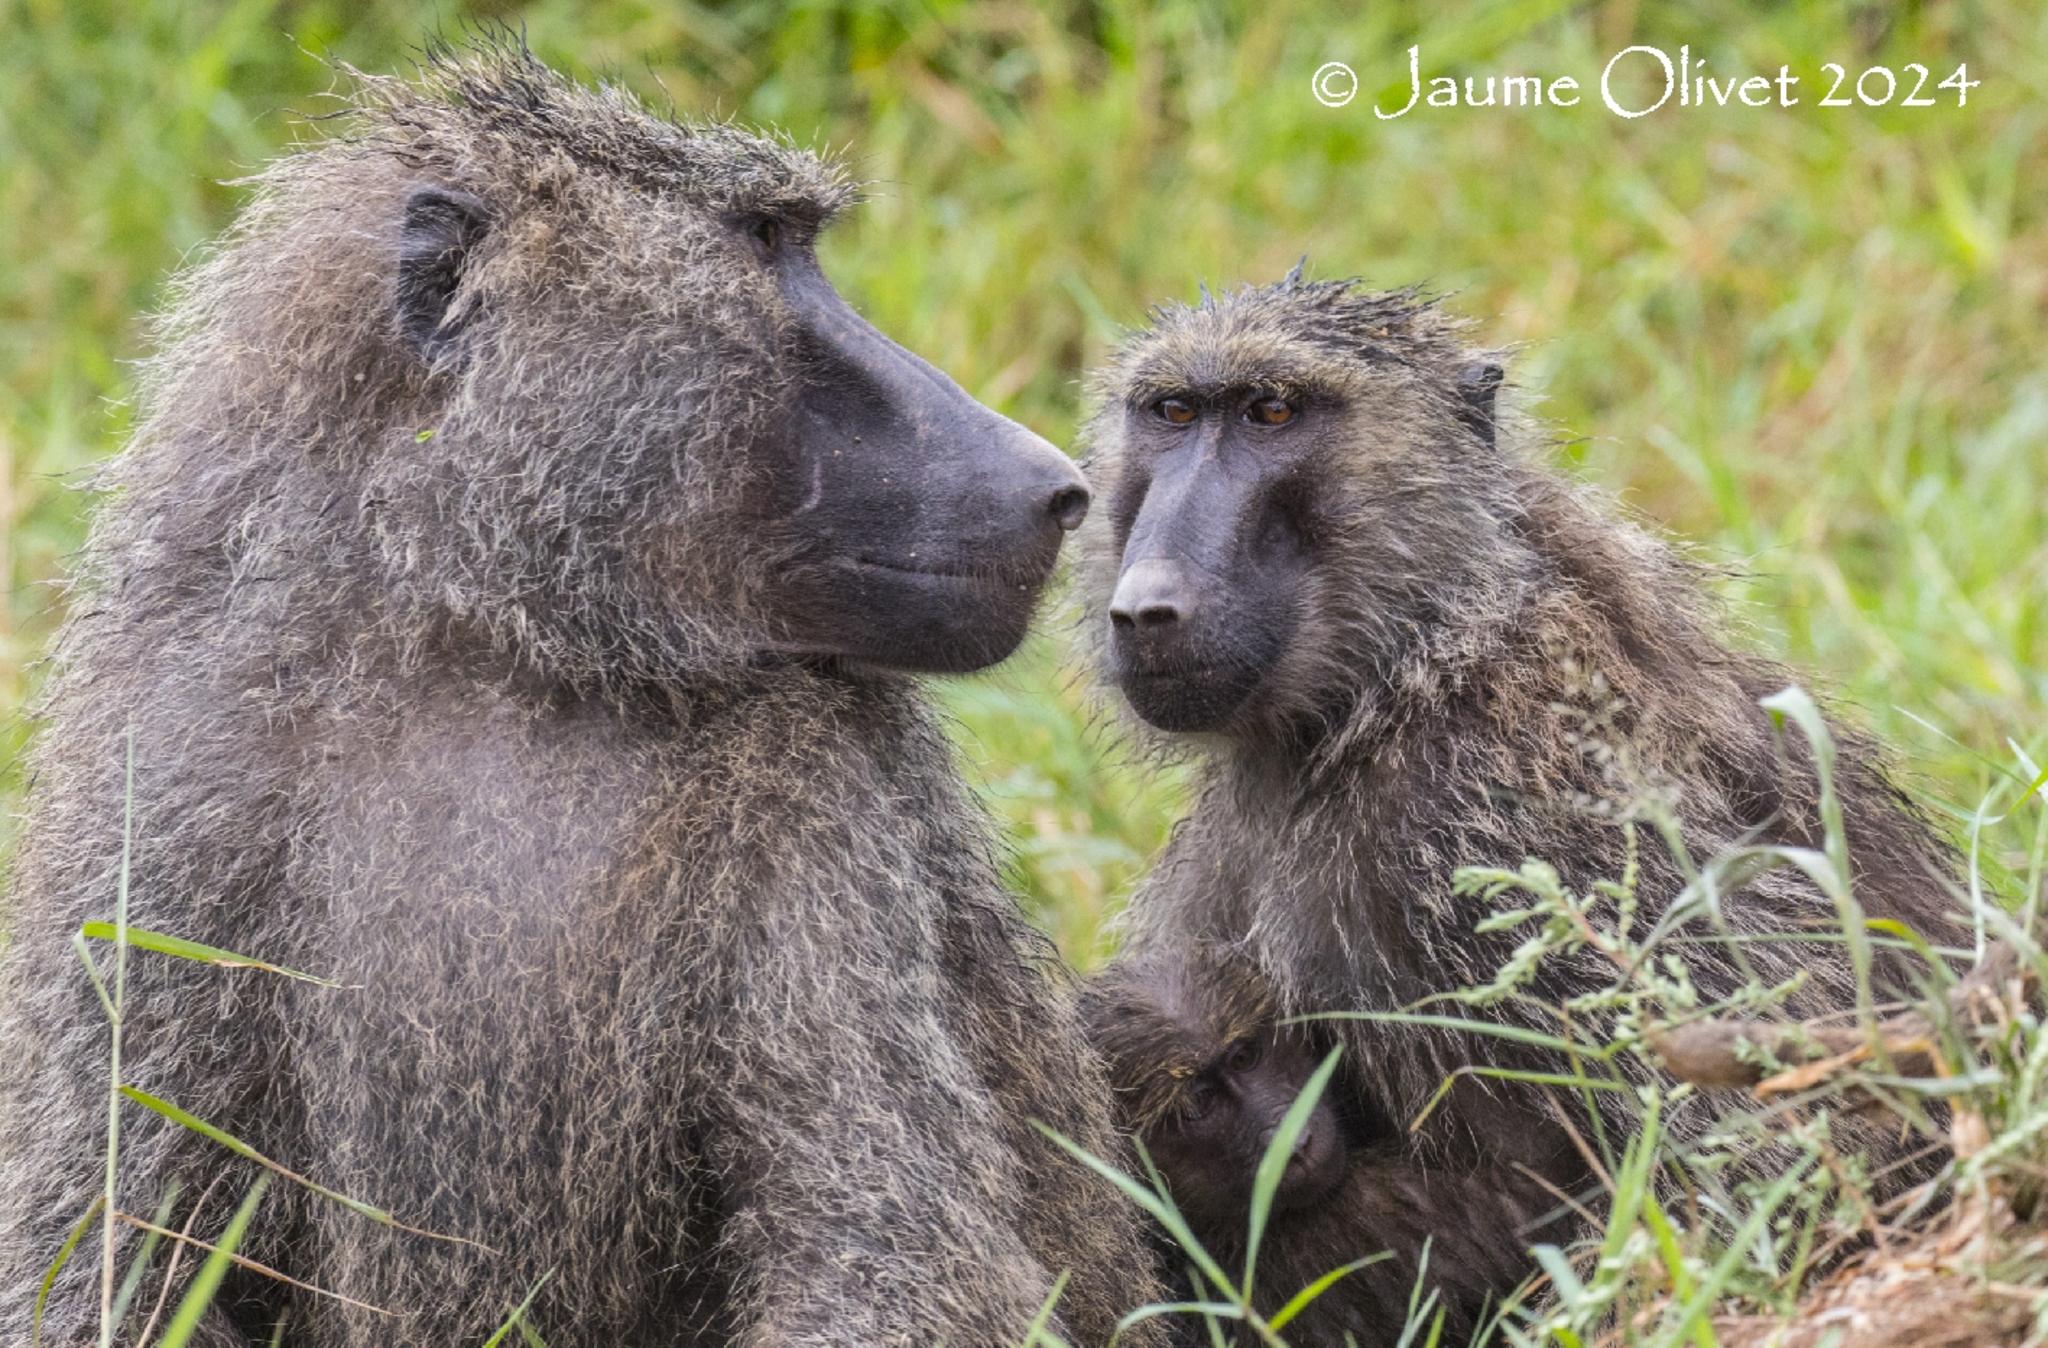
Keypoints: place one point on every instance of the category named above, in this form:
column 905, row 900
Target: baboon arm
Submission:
column 869, row 1194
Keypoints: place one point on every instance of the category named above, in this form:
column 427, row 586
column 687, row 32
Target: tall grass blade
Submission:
column 1793, row 703
column 185, row 1321
column 64, row 1252
column 92, row 972
column 240, row 1148
column 1299, row 1302
column 1037, row 1331
column 142, row 938
column 1420, row 1310
column 1520, row 1034
column 518, row 1317
column 1160, row 1209
column 1213, row 1310
column 1273, row 1164
column 139, row 1265
column 119, row 1008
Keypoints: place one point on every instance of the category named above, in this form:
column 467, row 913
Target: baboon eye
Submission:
column 1202, row 1098
column 766, row 233
column 1175, row 411
column 1270, row 412
column 1243, row 1056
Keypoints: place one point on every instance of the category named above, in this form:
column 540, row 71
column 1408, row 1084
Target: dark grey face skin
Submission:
column 1210, row 1152
column 1211, row 514
column 927, row 525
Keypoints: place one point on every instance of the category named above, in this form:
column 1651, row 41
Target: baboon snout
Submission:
column 1316, row 1164
column 1070, row 506
column 1030, row 483
column 1153, row 594
column 1062, row 489
column 1307, row 1144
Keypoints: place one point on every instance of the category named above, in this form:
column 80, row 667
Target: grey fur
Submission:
column 677, row 973
column 1484, row 655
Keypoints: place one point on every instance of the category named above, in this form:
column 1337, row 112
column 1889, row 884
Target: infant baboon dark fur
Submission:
column 1203, row 1074
column 508, row 586
column 1402, row 646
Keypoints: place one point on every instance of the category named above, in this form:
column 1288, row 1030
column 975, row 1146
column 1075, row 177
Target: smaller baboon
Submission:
column 1205, row 1070
column 1401, row 645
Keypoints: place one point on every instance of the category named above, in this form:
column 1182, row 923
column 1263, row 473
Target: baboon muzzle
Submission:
column 1197, row 617
column 931, row 523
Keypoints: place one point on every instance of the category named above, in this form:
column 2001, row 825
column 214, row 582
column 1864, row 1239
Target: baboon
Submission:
column 1203, row 1074
column 511, row 588
column 1399, row 645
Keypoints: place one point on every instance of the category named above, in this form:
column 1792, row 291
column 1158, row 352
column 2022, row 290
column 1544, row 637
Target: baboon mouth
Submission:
column 1171, row 673
column 1178, row 666
column 1172, row 668
column 1187, row 698
column 960, row 573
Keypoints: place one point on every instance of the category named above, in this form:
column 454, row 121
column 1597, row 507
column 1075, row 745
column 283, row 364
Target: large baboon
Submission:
column 1204, row 1074
column 509, row 589
column 1403, row 646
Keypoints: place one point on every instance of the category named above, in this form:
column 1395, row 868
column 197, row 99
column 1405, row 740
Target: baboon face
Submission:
column 689, row 422
column 1209, row 1149
column 1292, row 475
column 1214, row 554
column 1206, row 1076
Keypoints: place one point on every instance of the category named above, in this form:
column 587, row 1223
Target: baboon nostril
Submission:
column 1070, row 507
column 1152, row 594
column 1156, row 613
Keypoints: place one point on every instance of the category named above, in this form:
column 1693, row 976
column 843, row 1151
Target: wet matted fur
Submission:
column 1486, row 663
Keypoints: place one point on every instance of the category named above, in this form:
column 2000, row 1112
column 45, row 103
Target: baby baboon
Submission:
column 510, row 589
column 1403, row 647
column 1203, row 1074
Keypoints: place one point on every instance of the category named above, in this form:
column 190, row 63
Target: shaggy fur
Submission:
column 1487, row 663
column 1161, row 1023
column 676, row 972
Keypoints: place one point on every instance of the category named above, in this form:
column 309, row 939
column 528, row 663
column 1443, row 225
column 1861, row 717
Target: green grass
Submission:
column 1809, row 340
column 1697, row 1245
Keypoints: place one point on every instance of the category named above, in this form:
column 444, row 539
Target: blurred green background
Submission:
column 1808, row 339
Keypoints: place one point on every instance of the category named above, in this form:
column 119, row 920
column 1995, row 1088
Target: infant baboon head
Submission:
column 580, row 371
column 1299, row 478
column 1204, row 1075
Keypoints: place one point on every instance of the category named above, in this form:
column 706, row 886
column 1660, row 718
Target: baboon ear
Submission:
column 441, row 228
column 1478, row 381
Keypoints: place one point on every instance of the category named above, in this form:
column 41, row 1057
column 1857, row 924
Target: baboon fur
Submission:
column 677, row 975
column 1487, row 664
column 1161, row 1024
